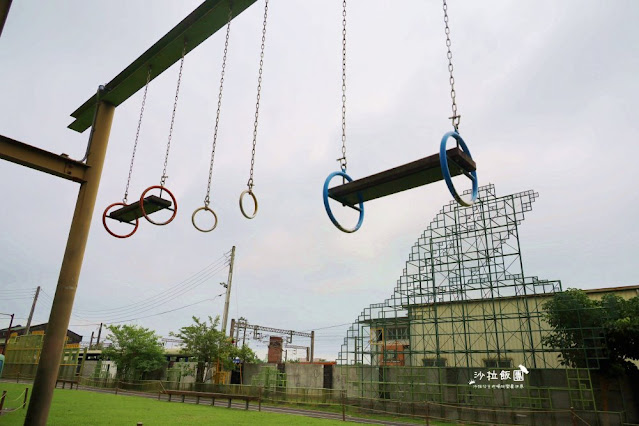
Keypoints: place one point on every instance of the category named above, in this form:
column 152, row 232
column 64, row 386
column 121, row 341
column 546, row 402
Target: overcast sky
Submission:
column 548, row 93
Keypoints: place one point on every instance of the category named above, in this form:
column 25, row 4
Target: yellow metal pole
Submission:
column 53, row 344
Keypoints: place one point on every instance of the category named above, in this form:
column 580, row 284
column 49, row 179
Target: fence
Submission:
column 10, row 404
column 336, row 401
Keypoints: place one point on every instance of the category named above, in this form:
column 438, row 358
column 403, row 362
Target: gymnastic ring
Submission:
column 104, row 216
column 443, row 161
column 249, row 192
column 328, row 207
column 161, row 188
column 207, row 209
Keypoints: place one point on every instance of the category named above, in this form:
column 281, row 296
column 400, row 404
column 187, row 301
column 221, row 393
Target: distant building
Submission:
column 40, row 328
column 401, row 342
column 465, row 324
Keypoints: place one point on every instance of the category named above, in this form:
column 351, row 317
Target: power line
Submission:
column 332, row 326
column 17, row 291
column 153, row 315
column 162, row 295
column 153, row 302
column 148, row 307
column 16, row 298
column 49, row 303
column 169, row 297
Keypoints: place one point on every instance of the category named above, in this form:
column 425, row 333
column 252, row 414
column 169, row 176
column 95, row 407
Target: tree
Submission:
column 135, row 350
column 595, row 333
column 206, row 344
column 245, row 355
column 591, row 332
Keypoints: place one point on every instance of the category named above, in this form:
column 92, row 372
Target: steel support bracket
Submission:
column 44, row 161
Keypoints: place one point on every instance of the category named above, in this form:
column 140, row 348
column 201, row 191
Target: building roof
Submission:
column 42, row 326
column 400, row 320
column 609, row 289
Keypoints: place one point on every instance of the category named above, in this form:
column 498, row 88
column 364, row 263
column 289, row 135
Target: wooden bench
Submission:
column 213, row 396
column 65, row 381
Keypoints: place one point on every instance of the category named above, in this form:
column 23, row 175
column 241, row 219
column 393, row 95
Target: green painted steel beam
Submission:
column 203, row 22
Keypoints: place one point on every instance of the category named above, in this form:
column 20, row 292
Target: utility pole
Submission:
column 35, row 299
column 312, row 345
column 97, row 342
column 244, row 337
column 6, row 337
column 233, row 328
column 228, row 292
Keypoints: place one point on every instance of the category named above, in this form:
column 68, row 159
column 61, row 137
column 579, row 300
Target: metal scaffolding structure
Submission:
column 23, row 354
column 464, row 324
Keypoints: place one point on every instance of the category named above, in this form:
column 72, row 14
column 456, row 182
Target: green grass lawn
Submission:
column 364, row 414
column 73, row 407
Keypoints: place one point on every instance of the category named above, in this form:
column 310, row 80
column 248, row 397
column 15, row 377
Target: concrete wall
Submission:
column 304, row 375
column 417, row 389
column 251, row 371
column 105, row 366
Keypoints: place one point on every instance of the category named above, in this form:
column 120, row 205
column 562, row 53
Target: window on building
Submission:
column 390, row 356
column 397, row 333
column 498, row 362
column 434, row 362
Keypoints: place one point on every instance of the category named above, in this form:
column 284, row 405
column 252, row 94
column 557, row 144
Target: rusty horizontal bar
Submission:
column 39, row 159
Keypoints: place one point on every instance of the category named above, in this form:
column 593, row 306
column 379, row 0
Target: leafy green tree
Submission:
column 135, row 350
column 205, row 344
column 245, row 355
column 589, row 333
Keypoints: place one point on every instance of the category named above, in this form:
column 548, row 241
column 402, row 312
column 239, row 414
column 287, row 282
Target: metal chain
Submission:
column 137, row 135
column 257, row 104
column 207, row 199
column 177, row 92
column 455, row 118
column 342, row 161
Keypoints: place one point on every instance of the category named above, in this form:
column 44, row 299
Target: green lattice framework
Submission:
column 463, row 306
column 269, row 378
column 23, row 355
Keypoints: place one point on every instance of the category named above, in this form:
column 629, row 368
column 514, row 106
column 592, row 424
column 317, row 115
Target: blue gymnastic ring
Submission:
column 443, row 161
column 328, row 208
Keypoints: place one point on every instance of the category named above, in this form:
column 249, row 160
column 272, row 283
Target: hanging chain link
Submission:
column 137, row 135
column 342, row 160
column 177, row 92
column 455, row 118
column 257, row 104
column 207, row 199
